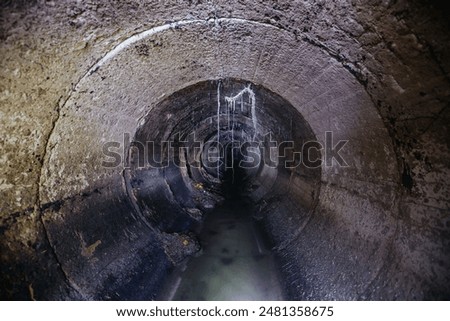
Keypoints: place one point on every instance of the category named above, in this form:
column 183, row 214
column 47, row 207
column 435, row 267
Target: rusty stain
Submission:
column 88, row 251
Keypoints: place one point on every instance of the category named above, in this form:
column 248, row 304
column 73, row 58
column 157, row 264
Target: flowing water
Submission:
column 236, row 263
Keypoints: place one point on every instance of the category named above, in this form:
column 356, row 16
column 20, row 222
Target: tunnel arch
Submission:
column 73, row 228
column 115, row 95
column 307, row 102
column 205, row 114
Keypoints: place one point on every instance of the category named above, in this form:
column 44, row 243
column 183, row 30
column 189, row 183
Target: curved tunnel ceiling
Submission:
column 337, row 228
column 339, row 104
column 121, row 92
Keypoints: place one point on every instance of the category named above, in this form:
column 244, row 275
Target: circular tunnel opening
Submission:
column 209, row 139
column 87, row 214
column 211, row 157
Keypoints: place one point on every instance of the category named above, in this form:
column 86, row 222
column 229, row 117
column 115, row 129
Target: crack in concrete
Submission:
column 70, row 282
column 434, row 118
column 45, row 151
column 38, row 203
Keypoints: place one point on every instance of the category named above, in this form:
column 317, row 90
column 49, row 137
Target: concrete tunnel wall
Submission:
column 75, row 76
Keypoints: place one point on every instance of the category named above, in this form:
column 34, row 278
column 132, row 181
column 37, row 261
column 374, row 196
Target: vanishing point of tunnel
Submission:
column 224, row 150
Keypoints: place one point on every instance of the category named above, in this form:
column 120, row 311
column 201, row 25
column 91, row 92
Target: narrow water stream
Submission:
column 236, row 262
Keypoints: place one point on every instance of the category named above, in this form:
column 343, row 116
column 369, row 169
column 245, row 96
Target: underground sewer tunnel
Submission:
column 219, row 151
column 231, row 142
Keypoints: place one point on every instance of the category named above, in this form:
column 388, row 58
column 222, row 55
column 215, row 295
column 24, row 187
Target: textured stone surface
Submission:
column 376, row 73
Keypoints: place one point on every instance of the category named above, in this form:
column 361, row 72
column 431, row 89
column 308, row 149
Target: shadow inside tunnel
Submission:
column 236, row 261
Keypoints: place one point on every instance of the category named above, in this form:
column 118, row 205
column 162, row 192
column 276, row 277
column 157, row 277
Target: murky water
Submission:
column 236, row 263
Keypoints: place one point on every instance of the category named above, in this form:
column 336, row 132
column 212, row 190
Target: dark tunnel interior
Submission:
column 224, row 150
column 219, row 151
column 214, row 147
